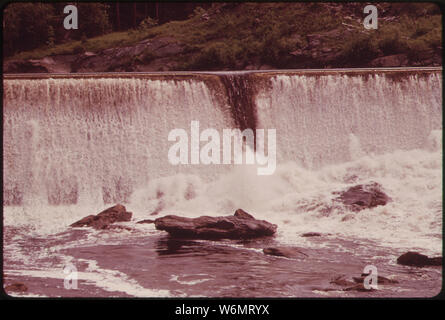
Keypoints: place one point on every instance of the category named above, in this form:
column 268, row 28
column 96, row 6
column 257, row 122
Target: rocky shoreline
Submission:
column 185, row 241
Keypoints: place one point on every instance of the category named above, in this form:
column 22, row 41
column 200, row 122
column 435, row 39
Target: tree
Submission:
column 22, row 30
column 93, row 19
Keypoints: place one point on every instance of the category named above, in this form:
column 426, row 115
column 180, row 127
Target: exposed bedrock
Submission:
column 103, row 220
column 363, row 196
column 239, row 226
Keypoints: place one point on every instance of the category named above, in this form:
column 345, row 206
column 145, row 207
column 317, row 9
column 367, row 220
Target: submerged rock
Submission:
column 145, row 221
column 341, row 281
column 416, row 259
column 311, row 234
column 358, row 283
column 380, row 279
column 287, row 252
column 239, row 226
column 104, row 219
column 363, row 196
column 16, row 287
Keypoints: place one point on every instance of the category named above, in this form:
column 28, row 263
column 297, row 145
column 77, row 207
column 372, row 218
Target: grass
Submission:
column 95, row 44
column 414, row 37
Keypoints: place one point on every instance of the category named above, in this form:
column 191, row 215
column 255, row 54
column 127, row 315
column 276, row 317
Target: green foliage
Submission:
column 218, row 53
column 78, row 49
column 198, row 12
column 51, row 37
column 148, row 23
column 234, row 35
column 93, row 19
column 28, row 26
column 22, row 30
column 359, row 49
column 391, row 41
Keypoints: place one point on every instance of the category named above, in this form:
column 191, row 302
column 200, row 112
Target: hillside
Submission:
column 251, row 36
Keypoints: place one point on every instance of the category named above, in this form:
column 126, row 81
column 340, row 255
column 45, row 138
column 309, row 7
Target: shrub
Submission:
column 148, row 23
column 78, row 49
column 359, row 49
column 391, row 42
column 147, row 56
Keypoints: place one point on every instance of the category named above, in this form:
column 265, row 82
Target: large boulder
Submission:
column 103, row 220
column 416, row 259
column 363, row 196
column 239, row 226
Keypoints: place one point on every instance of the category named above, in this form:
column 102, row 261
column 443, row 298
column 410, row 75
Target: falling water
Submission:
column 69, row 140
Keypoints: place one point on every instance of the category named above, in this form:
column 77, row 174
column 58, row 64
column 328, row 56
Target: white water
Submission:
column 83, row 143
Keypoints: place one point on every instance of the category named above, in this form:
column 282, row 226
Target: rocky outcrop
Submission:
column 56, row 64
column 395, row 60
column 288, row 252
column 363, row 196
column 146, row 55
column 104, row 219
column 416, row 259
column 156, row 54
column 239, row 226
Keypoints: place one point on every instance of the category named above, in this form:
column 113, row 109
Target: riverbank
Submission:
column 254, row 36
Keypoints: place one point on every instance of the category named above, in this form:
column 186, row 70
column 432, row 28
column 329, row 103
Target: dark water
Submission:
column 168, row 267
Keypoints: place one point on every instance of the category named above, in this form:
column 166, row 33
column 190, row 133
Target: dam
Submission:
column 98, row 137
column 75, row 144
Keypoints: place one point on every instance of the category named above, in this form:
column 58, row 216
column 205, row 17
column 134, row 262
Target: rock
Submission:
column 131, row 58
column 287, row 252
column 54, row 64
column 103, row 220
column 341, row 281
column 311, row 234
column 26, row 66
column 239, row 226
column 363, row 196
column 418, row 260
column 396, row 60
column 240, row 213
column 380, row 279
column 145, row 221
column 348, row 217
column 16, row 287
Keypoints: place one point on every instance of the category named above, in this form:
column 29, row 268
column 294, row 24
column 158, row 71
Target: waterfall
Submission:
column 315, row 115
column 97, row 139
